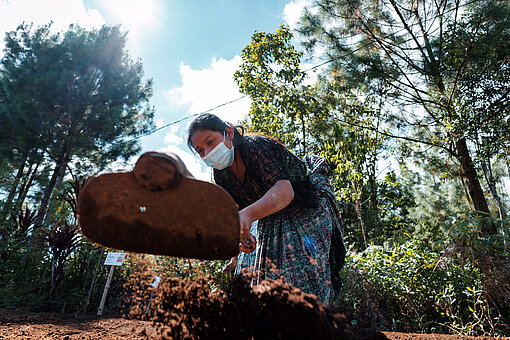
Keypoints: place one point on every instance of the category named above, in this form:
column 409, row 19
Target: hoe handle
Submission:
column 156, row 171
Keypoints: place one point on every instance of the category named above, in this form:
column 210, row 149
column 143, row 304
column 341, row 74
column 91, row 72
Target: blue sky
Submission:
column 189, row 48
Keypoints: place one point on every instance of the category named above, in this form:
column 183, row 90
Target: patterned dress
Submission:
column 304, row 240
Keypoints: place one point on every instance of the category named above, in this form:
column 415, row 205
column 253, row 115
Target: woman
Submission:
column 299, row 228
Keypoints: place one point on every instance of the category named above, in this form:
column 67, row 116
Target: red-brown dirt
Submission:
column 17, row 324
column 185, row 308
column 191, row 309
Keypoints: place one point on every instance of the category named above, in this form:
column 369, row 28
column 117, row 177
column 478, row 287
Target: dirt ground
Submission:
column 189, row 309
column 17, row 324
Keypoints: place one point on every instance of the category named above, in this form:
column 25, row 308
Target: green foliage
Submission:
column 271, row 76
column 62, row 240
column 483, row 83
column 69, row 102
column 68, row 96
column 351, row 149
column 421, row 285
column 441, row 72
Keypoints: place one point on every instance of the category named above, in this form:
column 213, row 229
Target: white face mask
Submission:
column 220, row 157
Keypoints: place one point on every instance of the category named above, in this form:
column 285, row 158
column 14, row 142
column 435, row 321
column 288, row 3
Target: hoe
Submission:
column 159, row 208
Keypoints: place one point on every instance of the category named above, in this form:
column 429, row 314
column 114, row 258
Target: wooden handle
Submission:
column 156, row 171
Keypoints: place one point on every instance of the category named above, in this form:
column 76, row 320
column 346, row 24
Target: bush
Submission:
column 416, row 285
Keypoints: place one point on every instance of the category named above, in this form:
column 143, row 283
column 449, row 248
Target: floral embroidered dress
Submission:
column 303, row 240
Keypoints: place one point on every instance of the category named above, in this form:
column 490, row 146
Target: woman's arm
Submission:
column 275, row 199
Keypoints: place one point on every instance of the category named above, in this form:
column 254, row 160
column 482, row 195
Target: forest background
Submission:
column 410, row 107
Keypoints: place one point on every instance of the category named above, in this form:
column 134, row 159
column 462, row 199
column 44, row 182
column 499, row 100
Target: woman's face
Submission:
column 204, row 140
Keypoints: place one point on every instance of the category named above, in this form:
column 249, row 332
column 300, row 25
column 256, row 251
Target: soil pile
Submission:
column 190, row 309
column 18, row 324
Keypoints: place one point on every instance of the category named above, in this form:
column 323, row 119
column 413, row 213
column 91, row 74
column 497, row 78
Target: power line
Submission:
column 305, row 71
column 148, row 133
column 187, row 117
column 195, row 114
column 129, row 140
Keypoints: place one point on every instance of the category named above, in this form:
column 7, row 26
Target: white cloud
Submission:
column 61, row 12
column 173, row 136
column 194, row 164
column 293, row 11
column 159, row 123
column 205, row 89
column 139, row 18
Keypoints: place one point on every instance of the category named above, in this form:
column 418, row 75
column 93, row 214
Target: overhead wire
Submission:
column 181, row 119
column 152, row 131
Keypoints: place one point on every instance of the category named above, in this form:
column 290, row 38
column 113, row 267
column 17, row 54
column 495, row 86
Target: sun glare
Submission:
column 134, row 14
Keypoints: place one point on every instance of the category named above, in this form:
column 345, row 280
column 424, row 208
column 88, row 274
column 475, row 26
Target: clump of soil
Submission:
column 190, row 309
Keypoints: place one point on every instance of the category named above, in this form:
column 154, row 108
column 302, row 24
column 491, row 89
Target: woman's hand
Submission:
column 247, row 241
column 275, row 199
column 248, row 244
column 245, row 222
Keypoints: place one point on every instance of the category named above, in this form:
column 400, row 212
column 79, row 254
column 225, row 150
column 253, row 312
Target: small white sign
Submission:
column 155, row 282
column 114, row 259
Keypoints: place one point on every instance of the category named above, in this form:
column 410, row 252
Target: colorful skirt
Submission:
column 303, row 245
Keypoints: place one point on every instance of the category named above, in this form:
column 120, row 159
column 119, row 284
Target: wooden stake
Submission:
column 107, row 285
column 149, row 305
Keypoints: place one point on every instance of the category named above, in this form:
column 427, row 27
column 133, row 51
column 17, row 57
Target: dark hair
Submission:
column 208, row 121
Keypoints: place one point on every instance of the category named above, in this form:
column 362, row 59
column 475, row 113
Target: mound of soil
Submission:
column 19, row 324
column 189, row 309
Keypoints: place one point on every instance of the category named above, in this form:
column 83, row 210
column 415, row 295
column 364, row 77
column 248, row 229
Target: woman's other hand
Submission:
column 229, row 267
column 247, row 241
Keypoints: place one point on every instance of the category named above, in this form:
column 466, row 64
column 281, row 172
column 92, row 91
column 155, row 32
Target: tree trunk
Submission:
column 56, row 179
column 48, row 192
column 303, row 130
column 359, row 213
column 8, row 202
column 473, row 184
column 487, row 170
column 372, row 176
column 373, row 203
column 56, row 188
column 361, row 221
column 468, row 198
column 25, row 186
